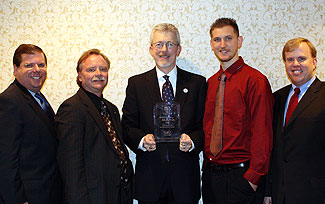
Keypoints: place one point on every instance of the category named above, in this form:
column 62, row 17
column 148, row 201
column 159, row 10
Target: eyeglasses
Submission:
column 160, row 44
column 32, row 65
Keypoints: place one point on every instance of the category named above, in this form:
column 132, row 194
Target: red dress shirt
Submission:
column 247, row 121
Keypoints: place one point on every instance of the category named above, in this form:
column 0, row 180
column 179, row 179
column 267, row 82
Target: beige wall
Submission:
column 121, row 28
column 64, row 29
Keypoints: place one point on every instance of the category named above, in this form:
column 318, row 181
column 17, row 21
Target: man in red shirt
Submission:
column 233, row 173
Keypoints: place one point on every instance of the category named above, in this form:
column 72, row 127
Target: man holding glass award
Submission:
column 162, row 124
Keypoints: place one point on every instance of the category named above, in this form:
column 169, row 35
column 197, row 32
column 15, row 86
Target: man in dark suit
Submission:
column 28, row 167
column 93, row 160
column 297, row 164
column 165, row 172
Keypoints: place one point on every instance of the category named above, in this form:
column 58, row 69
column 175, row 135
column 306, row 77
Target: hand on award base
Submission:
column 185, row 143
column 149, row 142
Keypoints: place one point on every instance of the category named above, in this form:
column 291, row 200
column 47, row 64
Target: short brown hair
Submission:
column 294, row 43
column 222, row 22
column 29, row 49
column 85, row 55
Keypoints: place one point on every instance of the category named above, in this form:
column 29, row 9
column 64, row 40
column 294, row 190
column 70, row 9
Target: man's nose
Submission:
column 295, row 62
column 98, row 72
column 222, row 43
column 164, row 47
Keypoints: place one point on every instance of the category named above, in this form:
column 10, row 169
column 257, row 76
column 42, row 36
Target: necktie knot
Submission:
column 103, row 109
column 45, row 105
column 222, row 77
column 166, row 77
column 40, row 98
column 297, row 91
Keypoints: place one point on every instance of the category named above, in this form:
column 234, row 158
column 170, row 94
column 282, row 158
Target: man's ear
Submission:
column 240, row 41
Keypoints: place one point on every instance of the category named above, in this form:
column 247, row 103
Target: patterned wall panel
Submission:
column 64, row 29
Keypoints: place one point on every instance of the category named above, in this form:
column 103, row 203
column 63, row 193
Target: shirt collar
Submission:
column 94, row 98
column 172, row 74
column 233, row 68
column 31, row 92
column 303, row 88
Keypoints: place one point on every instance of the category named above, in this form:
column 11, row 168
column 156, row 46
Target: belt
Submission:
column 227, row 167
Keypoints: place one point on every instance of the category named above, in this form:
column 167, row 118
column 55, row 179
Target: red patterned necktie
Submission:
column 292, row 104
column 216, row 134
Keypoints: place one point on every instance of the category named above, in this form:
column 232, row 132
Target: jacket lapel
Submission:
column 153, row 86
column 310, row 95
column 182, row 88
column 37, row 108
column 94, row 113
column 282, row 103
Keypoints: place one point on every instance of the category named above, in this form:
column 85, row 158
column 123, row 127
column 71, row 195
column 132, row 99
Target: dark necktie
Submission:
column 116, row 142
column 45, row 106
column 216, row 134
column 167, row 91
column 168, row 97
column 292, row 104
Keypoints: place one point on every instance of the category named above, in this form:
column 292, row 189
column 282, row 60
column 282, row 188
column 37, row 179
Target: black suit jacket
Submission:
column 89, row 164
column 141, row 94
column 28, row 168
column 298, row 158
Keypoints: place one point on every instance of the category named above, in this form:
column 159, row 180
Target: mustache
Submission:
column 98, row 78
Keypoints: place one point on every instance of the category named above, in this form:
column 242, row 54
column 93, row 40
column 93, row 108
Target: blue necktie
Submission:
column 167, row 91
column 45, row 106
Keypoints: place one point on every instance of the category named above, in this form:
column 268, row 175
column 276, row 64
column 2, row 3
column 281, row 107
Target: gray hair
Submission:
column 165, row 27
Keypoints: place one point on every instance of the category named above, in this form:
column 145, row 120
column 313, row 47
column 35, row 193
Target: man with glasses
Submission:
column 165, row 172
column 28, row 167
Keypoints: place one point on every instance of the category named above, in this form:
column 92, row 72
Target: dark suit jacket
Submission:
column 141, row 94
column 89, row 164
column 28, row 168
column 298, row 159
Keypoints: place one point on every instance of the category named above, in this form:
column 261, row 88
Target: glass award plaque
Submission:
column 167, row 122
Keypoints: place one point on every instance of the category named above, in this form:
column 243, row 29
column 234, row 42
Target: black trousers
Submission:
column 166, row 194
column 229, row 187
